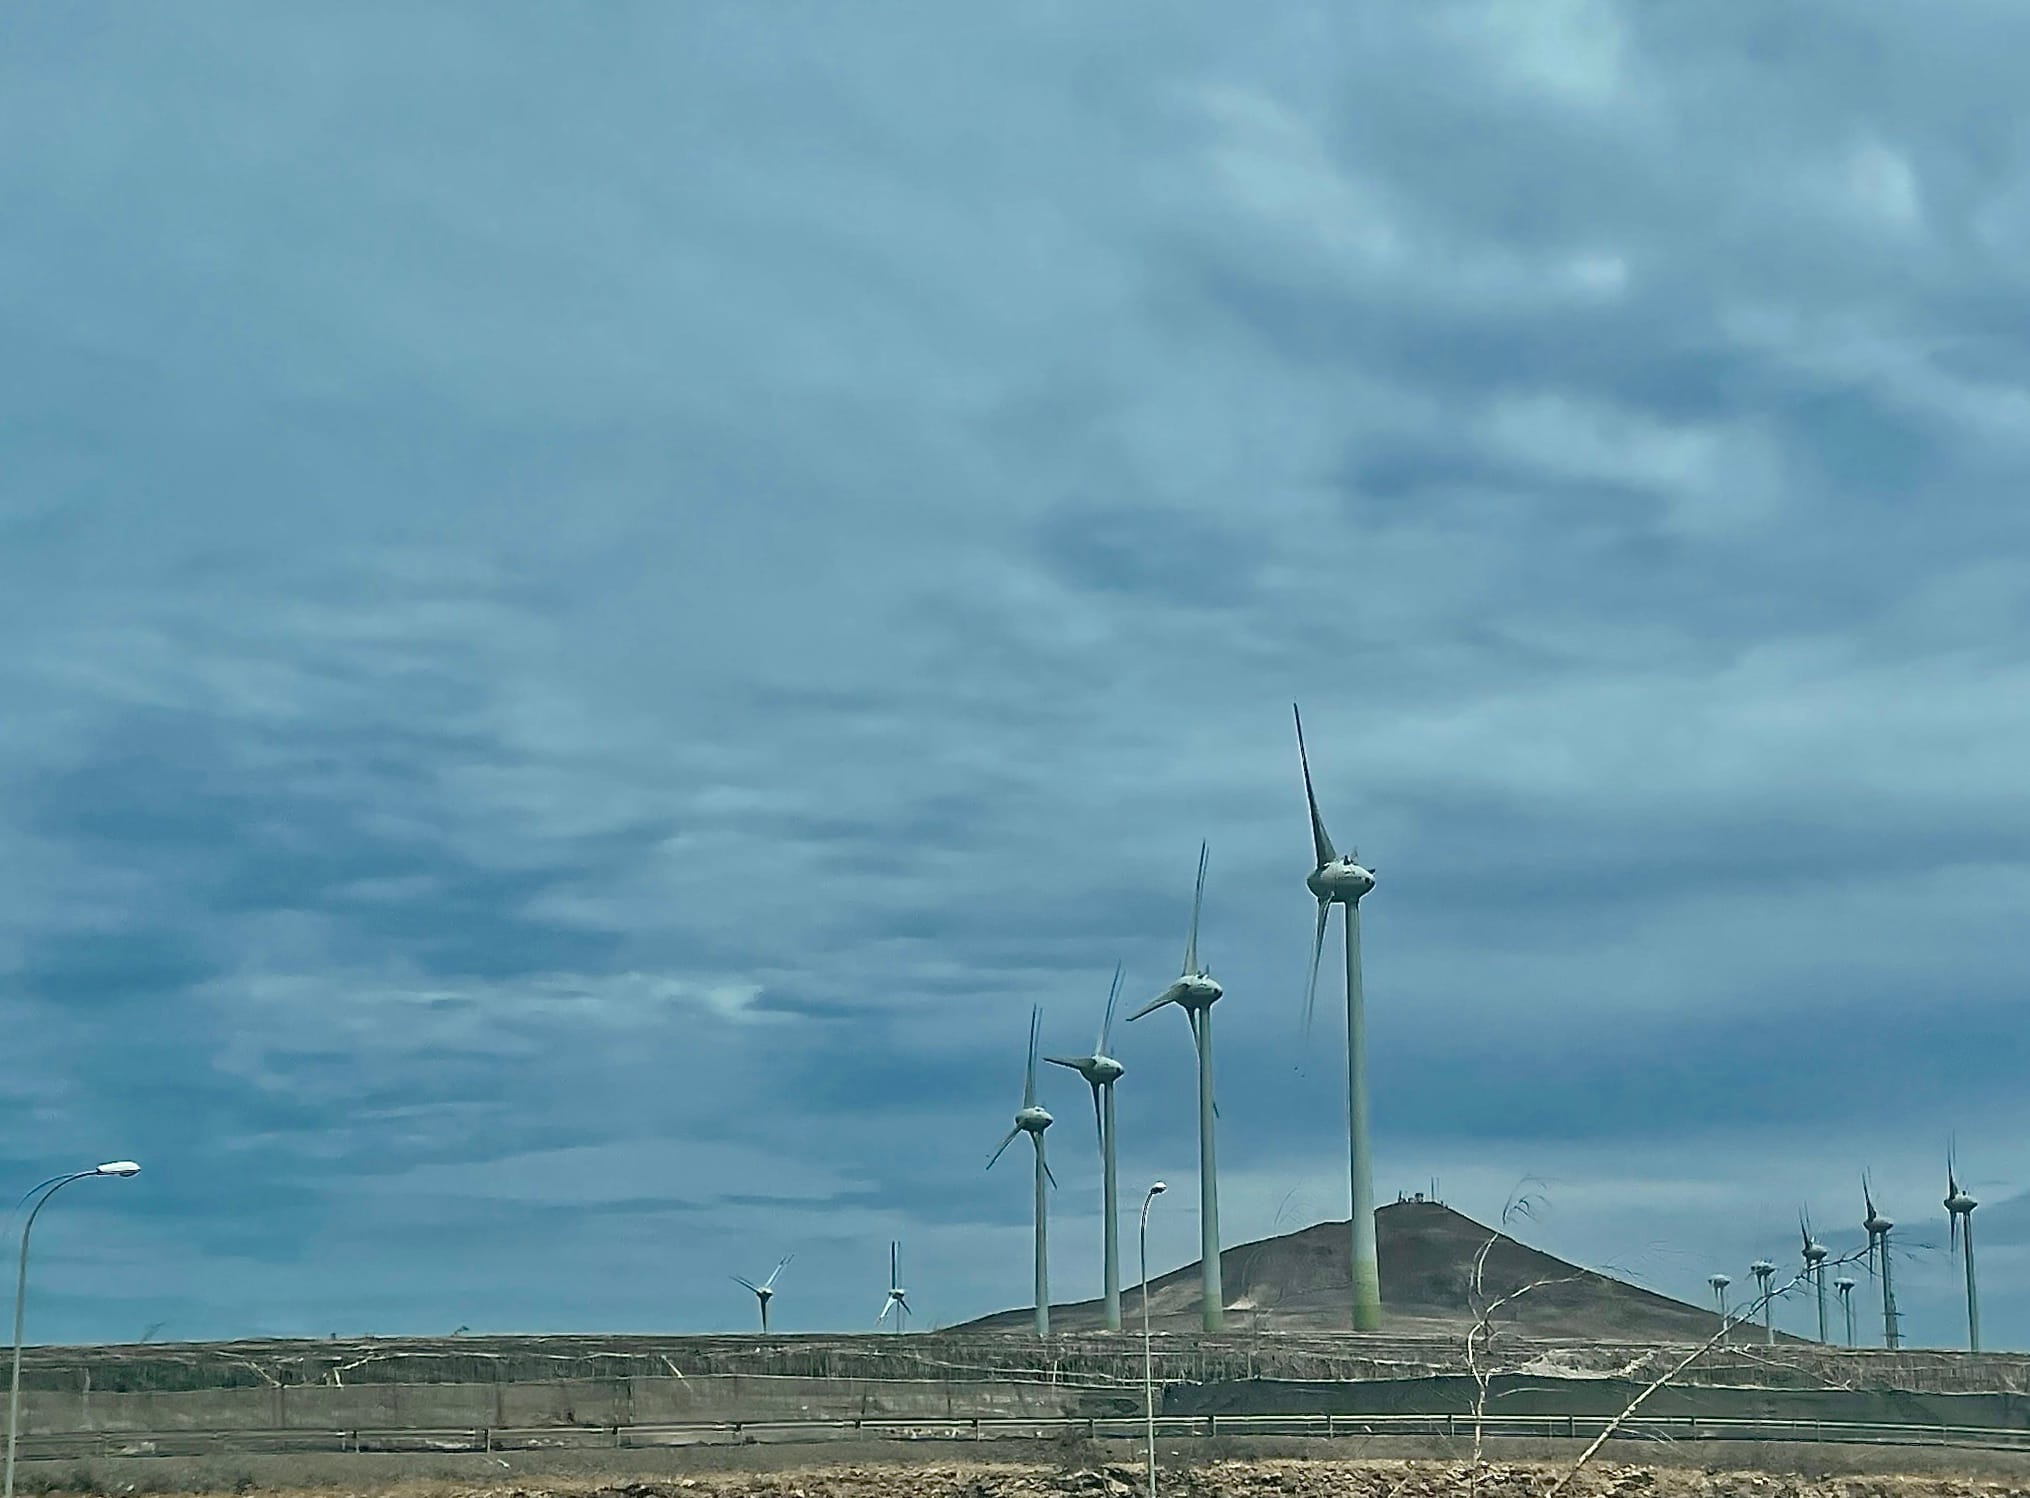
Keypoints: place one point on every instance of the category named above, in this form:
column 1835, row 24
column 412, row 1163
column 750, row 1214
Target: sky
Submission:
column 598, row 599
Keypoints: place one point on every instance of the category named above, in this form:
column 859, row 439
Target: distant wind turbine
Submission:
column 1959, row 1207
column 765, row 1291
column 898, row 1298
column 1845, row 1287
column 1762, row 1269
column 1195, row 992
column 1032, row 1119
column 1877, row 1227
column 1101, row 1071
column 1814, row 1266
column 1720, row 1282
column 1341, row 880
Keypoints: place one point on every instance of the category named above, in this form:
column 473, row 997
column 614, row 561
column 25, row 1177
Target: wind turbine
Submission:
column 765, row 1291
column 1762, row 1269
column 1032, row 1119
column 1195, row 992
column 1959, row 1207
column 1101, row 1072
column 1845, row 1287
column 1877, row 1227
column 1341, row 880
column 1720, row 1282
column 898, row 1298
column 1814, row 1266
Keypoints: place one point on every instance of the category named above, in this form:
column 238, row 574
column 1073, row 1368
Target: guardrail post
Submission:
column 1328, row 1427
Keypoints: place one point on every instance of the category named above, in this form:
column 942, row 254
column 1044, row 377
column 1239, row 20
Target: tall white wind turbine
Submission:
column 1341, row 880
column 898, row 1298
column 1720, row 1282
column 765, row 1291
column 1032, row 1119
column 1959, row 1207
column 1101, row 1071
column 1815, row 1255
column 1877, row 1227
column 1195, row 991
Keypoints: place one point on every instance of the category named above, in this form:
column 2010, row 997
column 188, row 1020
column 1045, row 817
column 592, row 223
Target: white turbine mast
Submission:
column 1342, row 880
column 765, row 1291
column 1195, row 991
column 1101, row 1071
column 1032, row 1118
column 1959, row 1208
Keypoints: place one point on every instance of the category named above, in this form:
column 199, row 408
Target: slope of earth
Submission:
column 1300, row 1282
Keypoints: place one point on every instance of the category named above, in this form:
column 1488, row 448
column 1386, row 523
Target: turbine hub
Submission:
column 1342, row 881
column 1959, row 1201
column 1877, row 1224
column 1815, row 1254
column 1033, row 1120
column 1198, row 990
column 1101, row 1070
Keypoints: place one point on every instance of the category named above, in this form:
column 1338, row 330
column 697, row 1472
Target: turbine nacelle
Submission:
column 1190, row 992
column 1762, row 1269
column 1033, row 1119
column 1100, row 1071
column 1960, row 1202
column 1340, row 881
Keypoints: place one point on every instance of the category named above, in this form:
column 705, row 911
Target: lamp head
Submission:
column 118, row 1168
column 1158, row 1189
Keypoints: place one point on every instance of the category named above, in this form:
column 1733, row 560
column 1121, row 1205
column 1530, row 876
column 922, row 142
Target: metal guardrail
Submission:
column 1661, row 1428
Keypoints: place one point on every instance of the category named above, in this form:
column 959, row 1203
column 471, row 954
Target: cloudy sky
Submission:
column 598, row 599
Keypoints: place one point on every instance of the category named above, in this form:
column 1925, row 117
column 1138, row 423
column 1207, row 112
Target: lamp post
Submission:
column 48, row 1189
column 1148, row 1363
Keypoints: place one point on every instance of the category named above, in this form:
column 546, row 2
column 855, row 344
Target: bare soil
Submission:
column 1069, row 1470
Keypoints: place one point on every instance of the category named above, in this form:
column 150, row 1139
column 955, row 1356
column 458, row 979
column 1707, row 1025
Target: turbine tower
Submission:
column 1195, row 992
column 1959, row 1208
column 1341, row 880
column 1877, row 1227
column 1762, row 1269
column 1101, row 1072
column 1032, row 1119
column 1720, row 1282
column 1845, row 1287
column 765, row 1291
column 1814, row 1267
column 898, row 1298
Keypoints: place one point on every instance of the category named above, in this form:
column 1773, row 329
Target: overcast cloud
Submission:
column 598, row 599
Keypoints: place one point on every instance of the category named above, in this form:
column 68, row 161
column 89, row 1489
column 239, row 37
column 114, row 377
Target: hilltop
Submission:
column 1298, row 1282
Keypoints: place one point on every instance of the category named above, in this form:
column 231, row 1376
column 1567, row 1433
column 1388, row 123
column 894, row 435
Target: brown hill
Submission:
column 1299, row 1282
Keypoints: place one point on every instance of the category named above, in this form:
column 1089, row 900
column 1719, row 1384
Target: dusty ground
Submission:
column 1072, row 1471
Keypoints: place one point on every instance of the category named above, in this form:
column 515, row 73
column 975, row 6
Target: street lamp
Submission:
column 47, row 1189
column 1148, row 1365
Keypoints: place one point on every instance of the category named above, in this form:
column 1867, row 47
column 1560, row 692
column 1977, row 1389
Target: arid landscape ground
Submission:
column 1514, row 1469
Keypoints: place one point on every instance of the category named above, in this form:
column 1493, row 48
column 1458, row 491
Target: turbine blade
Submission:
column 1317, row 951
column 750, row 1284
column 1076, row 1063
column 1006, row 1140
column 1320, row 843
column 894, row 1265
column 1029, row 1076
column 1043, row 1161
column 886, row 1305
column 1107, row 1024
column 770, row 1281
column 1151, row 1007
column 1197, row 900
column 1099, row 1123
